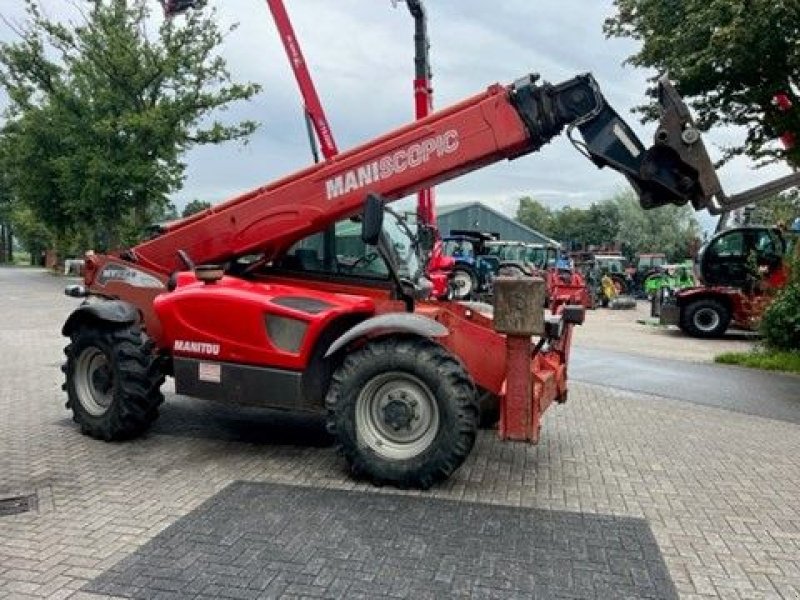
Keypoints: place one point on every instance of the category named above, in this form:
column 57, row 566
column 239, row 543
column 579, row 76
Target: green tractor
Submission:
column 671, row 277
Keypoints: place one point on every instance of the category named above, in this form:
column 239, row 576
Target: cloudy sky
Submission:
column 360, row 53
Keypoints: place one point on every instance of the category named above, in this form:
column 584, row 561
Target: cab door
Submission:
column 726, row 259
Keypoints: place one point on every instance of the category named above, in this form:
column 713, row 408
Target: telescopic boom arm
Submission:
column 501, row 123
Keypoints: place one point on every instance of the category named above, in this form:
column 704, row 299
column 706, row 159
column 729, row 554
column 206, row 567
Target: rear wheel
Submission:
column 464, row 282
column 705, row 318
column 404, row 412
column 113, row 381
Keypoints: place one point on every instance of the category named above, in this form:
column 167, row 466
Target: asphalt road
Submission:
column 760, row 393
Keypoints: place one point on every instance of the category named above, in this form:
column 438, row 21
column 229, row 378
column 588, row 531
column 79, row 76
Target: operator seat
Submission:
column 308, row 259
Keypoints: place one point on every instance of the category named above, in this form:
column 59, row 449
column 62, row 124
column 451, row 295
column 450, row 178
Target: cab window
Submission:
column 730, row 245
column 459, row 248
column 337, row 251
column 766, row 244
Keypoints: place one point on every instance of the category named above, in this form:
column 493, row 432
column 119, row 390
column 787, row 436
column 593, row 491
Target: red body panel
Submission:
column 565, row 288
column 230, row 316
column 746, row 309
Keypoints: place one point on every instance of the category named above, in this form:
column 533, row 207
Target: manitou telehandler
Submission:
column 740, row 270
column 270, row 300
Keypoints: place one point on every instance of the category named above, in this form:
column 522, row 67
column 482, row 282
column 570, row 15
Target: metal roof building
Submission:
column 474, row 215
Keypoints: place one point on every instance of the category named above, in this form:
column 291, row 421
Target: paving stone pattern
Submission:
column 720, row 491
column 265, row 540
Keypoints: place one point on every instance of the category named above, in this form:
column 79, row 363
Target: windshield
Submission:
column 537, row 256
column 459, row 248
column 612, row 265
column 401, row 240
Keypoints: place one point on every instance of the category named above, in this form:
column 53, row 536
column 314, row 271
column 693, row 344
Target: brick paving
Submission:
column 720, row 491
column 265, row 540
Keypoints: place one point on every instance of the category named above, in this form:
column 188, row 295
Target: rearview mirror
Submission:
column 372, row 221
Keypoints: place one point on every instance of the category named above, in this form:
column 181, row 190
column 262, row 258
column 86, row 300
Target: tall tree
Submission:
column 194, row 207
column 534, row 214
column 102, row 110
column 672, row 230
column 6, row 228
column 782, row 209
column 729, row 57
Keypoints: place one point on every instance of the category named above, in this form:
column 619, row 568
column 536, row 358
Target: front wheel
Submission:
column 464, row 283
column 404, row 412
column 705, row 318
column 112, row 382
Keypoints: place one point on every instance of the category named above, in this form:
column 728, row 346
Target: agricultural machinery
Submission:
column 564, row 284
column 470, row 275
column 605, row 277
column 671, row 277
column 269, row 299
column 739, row 270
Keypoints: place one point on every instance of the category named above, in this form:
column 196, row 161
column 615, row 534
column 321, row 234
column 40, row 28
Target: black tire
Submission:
column 120, row 360
column 367, row 443
column 705, row 318
column 460, row 273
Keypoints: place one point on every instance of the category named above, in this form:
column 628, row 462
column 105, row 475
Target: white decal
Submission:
column 626, row 140
column 129, row 275
column 196, row 347
column 210, row 372
column 385, row 167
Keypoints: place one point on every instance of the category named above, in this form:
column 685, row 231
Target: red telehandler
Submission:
column 740, row 270
column 276, row 299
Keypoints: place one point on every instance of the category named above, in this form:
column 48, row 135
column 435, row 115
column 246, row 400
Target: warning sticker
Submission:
column 210, row 372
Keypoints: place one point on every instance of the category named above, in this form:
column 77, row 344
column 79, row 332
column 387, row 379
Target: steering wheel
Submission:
column 365, row 260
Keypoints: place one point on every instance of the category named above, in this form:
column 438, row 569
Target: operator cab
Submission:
column 739, row 256
column 377, row 249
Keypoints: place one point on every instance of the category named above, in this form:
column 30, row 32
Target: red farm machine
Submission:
column 739, row 269
column 306, row 294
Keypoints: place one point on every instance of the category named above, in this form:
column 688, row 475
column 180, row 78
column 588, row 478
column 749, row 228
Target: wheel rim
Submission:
column 397, row 416
column 462, row 282
column 706, row 319
column 94, row 381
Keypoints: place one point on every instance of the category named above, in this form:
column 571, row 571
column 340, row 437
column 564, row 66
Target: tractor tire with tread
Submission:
column 468, row 277
column 367, row 392
column 113, row 381
column 706, row 318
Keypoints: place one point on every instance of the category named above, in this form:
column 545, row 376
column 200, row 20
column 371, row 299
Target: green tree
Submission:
column 728, row 57
column 534, row 214
column 32, row 234
column 102, row 111
column 6, row 228
column 783, row 208
column 672, row 230
column 781, row 323
column 194, row 207
column 593, row 226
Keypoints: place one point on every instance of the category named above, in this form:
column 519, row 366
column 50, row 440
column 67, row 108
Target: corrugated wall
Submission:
column 478, row 217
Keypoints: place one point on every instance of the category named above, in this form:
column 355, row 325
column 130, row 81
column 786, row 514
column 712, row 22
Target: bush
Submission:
column 761, row 358
column 781, row 323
